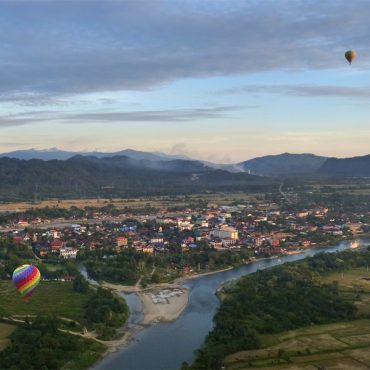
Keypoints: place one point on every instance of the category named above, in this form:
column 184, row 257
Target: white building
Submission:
column 185, row 225
column 225, row 232
column 68, row 252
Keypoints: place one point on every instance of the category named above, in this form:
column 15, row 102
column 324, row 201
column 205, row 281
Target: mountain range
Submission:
column 55, row 153
column 141, row 173
column 270, row 165
column 118, row 176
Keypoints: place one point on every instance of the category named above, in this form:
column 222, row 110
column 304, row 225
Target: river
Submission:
column 168, row 345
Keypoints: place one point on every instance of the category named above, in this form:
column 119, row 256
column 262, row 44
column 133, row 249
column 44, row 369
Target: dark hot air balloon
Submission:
column 350, row 55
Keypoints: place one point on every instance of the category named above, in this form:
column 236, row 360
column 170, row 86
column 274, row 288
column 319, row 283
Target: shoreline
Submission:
column 181, row 280
column 161, row 302
column 159, row 307
column 175, row 301
column 151, row 314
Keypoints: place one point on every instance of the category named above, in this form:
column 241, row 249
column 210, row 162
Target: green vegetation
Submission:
column 287, row 297
column 127, row 266
column 65, row 299
column 339, row 195
column 5, row 331
column 45, row 213
column 344, row 345
column 54, row 298
column 89, row 177
column 106, row 312
column 13, row 255
column 80, row 285
column 41, row 345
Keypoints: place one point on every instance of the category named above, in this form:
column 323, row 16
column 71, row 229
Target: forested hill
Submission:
column 116, row 176
column 356, row 166
column 283, row 164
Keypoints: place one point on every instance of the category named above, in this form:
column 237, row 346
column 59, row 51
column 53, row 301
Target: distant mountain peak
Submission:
column 353, row 167
column 284, row 164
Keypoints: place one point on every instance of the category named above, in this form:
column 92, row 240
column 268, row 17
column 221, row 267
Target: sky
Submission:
column 217, row 80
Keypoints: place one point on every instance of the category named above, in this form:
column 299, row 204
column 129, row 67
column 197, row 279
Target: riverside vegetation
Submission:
column 287, row 297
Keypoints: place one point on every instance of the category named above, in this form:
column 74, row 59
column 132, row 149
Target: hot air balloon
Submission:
column 26, row 279
column 350, row 55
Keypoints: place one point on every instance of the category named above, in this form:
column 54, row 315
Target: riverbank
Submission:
column 161, row 302
column 164, row 305
column 182, row 279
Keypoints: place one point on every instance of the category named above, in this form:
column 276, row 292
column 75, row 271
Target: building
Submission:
column 217, row 244
column 156, row 240
column 225, row 232
column 275, row 243
column 122, row 241
column 148, row 249
column 68, row 253
column 228, row 242
column 56, row 245
column 22, row 222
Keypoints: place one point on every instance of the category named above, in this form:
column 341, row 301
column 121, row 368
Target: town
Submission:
column 158, row 245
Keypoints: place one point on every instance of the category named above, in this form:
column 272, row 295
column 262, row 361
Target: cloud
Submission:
column 67, row 48
column 167, row 115
column 303, row 90
column 12, row 121
column 28, row 99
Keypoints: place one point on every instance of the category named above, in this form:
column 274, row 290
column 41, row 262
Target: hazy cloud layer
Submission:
column 53, row 48
column 169, row 115
column 303, row 90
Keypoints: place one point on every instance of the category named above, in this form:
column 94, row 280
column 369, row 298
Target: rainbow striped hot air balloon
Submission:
column 26, row 279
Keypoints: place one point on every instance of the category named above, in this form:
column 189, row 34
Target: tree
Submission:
column 80, row 284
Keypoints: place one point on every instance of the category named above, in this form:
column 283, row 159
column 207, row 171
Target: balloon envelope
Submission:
column 350, row 55
column 26, row 279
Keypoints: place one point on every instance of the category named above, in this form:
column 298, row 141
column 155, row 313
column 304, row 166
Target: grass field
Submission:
column 5, row 331
column 53, row 266
column 355, row 284
column 157, row 202
column 342, row 346
column 49, row 298
column 351, row 278
column 336, row 346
